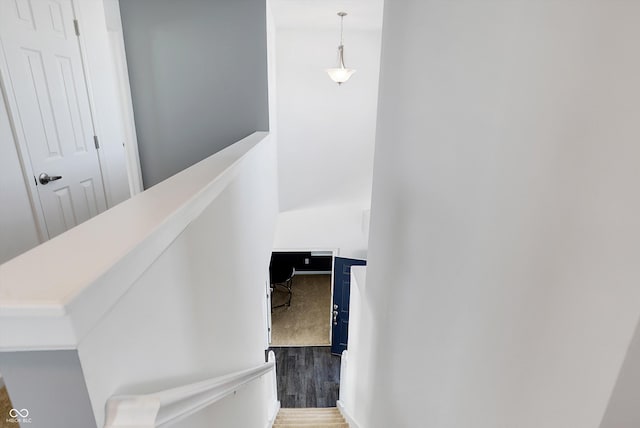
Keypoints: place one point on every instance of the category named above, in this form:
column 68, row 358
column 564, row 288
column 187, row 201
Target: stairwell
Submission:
column 329, row 417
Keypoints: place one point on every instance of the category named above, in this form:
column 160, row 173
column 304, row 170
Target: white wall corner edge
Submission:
column 274, row 412
column 352, row 422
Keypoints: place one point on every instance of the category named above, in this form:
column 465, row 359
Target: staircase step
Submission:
column 324, row 417
column 310, row 414
column 333, row 420
column 303, row 414
column 312, row 425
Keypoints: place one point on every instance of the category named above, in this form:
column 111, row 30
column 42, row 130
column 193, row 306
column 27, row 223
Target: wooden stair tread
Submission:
column 305, row 425
column 315, row 420
column 314, row 417
column 312, row 425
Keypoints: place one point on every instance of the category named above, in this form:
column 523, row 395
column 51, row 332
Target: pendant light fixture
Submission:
column 340, row 74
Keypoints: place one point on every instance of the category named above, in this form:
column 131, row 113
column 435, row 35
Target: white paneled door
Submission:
column 50, row 109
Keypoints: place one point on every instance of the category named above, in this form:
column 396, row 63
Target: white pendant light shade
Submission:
column 341, row 73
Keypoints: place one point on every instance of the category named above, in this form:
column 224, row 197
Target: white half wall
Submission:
column 325, row 138
column 505, row 223
column 354, row 393
column 175, row 293
column 200, row 310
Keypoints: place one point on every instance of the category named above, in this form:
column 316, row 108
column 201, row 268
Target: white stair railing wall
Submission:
column 272, row 382
column 163, row 290
column 355, row 361
column 167, row 407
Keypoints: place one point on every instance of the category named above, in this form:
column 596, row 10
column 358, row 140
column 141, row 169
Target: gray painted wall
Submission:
column 198, row 74
column 50, row 385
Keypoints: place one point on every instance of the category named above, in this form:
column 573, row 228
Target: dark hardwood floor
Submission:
column 307, row 376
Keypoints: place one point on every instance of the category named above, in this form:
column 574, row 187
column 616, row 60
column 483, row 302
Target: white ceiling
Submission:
column 322, row 14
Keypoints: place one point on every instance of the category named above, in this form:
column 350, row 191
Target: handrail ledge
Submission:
column 160, row 408
column 78, row 282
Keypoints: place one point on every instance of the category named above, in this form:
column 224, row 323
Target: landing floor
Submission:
column 307, row 376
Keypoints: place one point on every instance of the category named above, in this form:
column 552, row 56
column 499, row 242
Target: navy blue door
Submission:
column 341, row 292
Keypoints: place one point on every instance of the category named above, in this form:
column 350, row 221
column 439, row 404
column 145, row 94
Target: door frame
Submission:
column 28, row 172
column 132, row 157
column 335, row 252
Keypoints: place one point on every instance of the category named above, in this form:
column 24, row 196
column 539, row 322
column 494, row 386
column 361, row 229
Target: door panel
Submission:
column 90, row 201
column 24, row 12
column 41, row 56
column 65, row 207
column 341, row 294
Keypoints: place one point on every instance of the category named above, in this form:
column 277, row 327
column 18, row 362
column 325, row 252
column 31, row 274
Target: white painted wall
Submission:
column 325, row 137
column 326, row 131
column 505, row 221
column 339, row 226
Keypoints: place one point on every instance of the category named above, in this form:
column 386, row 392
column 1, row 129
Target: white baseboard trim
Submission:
column 276, row 409
column 352, row 422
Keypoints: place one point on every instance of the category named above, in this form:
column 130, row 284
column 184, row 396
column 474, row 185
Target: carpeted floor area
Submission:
column 5, row 406
column 308, row 321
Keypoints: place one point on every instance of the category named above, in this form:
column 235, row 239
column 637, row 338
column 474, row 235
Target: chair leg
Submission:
column 288, row 290
column 289, row 285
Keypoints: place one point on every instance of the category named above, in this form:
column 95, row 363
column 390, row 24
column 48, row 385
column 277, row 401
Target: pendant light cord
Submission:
column 341, row 47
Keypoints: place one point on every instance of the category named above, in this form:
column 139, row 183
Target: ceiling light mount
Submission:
column 341, row 73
